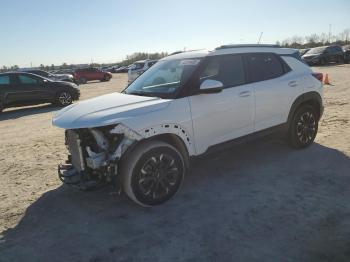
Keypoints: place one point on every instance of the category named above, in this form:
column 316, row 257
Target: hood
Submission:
column 106, row 110
column 311, row 55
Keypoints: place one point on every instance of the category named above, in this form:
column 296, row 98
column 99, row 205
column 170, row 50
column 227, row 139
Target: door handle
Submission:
column 293, row 83
column 244, row 94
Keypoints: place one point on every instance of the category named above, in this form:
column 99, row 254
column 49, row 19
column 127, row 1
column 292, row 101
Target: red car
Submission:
column 84, row 75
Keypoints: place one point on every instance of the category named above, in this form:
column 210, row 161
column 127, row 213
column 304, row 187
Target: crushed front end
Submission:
column 94, row 154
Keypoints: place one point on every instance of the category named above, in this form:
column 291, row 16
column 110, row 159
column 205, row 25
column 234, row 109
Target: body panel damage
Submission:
column 95, row 152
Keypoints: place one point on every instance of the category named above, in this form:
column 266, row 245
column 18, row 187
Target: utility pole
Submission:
column 261, row 34
column 329, row 33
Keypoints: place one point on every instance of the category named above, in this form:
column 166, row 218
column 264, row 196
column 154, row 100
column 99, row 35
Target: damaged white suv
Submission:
column 184, row 106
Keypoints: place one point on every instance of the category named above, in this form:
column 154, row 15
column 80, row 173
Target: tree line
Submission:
column 315, row 40
column 130, row 59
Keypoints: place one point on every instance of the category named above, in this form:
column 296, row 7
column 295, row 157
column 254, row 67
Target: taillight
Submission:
column 318, row 76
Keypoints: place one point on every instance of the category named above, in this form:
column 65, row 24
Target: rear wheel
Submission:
column 303, row 128
column 152, row 173
column 64, row 98
column 340, row 60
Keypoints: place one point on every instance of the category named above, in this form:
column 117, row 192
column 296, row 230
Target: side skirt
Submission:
column 279, row 131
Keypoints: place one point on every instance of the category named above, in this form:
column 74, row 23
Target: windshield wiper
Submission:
column 140, row 93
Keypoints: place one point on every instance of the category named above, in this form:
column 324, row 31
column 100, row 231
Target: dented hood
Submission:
column 106, row 110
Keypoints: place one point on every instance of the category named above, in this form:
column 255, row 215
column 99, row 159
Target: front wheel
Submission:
column 106, row 78
column 82, row 80
column 64, row 98
column 152, row 173
column 303, row 128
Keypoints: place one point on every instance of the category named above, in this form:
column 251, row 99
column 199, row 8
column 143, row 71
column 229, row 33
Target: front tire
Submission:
column 152, row 173
column 303, row 128
column 82, row 80
column 106, row 78
column 64, row 98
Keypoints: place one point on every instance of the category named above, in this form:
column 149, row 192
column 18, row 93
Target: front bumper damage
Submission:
column 94, row 155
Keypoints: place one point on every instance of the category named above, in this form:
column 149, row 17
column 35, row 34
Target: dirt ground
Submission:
column 256, row 202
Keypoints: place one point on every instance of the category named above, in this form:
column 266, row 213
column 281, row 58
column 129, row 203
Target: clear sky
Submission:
column 76, row 31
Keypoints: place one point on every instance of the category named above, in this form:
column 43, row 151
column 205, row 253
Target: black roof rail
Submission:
column 245, row 45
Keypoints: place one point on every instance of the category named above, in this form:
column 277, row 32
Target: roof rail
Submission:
column 245, row 45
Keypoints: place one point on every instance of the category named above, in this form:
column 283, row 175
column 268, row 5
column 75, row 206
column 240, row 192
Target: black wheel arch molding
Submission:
column 313, row 98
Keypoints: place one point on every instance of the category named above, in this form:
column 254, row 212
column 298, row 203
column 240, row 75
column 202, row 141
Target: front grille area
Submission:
column 74, row 146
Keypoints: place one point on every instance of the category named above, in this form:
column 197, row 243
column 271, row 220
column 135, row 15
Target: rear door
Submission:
column 274, row 86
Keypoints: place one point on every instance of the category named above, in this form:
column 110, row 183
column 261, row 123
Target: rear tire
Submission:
column 152, row 173
column 341, row 60
column 303, row 128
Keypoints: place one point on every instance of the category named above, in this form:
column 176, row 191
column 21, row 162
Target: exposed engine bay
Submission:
column 94, row 154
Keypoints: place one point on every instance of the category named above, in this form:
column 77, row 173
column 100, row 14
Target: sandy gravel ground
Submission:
column 257, row 202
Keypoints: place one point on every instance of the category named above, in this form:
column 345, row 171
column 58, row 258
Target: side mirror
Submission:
column 210, row 86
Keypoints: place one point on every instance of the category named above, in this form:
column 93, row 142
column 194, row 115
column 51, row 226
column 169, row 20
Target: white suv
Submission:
column 138, row 68
column 184, row 106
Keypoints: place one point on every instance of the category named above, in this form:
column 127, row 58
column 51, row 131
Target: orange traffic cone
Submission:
column 326, row 80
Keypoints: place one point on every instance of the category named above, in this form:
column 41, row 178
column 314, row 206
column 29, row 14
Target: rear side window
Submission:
column 27, row 80
column 228, row 69
column 138, row 66
column 4, row 80
column 264, row 66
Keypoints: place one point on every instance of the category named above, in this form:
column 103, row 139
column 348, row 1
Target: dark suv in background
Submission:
column 22, row 89
column 84, row 75
column 323, row 55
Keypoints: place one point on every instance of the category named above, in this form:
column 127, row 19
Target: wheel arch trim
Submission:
column 312, row 97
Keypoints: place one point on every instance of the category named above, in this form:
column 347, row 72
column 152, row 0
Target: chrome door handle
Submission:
column 244, row 94
column 293, row 83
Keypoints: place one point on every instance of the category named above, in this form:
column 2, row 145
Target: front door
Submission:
column 223, row 116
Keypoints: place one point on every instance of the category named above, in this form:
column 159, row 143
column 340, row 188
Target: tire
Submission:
column 340, row 60
column 106, row 78
column 159, row 166
column 82, row 80
column 64, row 98
column 303, row 128
column 323, row 62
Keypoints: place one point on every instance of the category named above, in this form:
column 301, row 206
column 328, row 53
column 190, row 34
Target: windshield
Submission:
column 317, row 50
column 165, row 77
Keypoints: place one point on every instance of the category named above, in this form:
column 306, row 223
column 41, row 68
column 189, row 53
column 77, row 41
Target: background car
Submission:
column 84, row 75
column 303, row 51
column 324, row 55
column 123, row 69
column 21, row 89
column 346, row 50
column 63, row 71
column 138, row 68
column 56, row 77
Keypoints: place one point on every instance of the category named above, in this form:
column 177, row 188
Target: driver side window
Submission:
column 228, row 69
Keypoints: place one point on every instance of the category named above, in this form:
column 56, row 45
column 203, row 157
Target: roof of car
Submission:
column 233, row 49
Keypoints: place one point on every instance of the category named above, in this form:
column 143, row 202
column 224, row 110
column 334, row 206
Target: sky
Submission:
column 105, row 31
